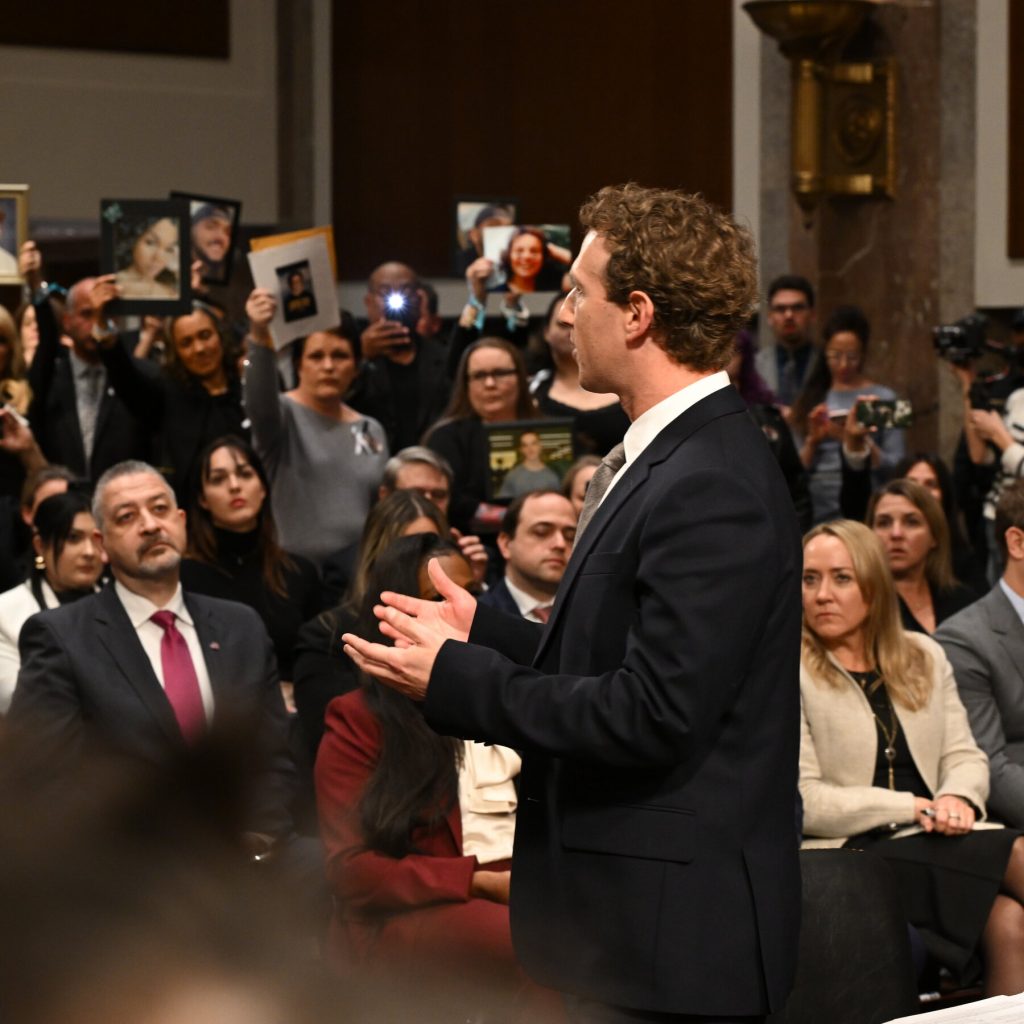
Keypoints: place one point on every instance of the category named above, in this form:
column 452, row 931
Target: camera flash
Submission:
column 396, row 302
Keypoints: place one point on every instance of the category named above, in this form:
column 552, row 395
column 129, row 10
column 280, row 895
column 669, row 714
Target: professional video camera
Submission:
column 998, row 367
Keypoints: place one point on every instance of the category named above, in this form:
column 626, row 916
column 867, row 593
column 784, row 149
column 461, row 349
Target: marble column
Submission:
column 907, row 261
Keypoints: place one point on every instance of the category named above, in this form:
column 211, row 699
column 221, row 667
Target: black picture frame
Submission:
column 123, row 222
column 214, row 272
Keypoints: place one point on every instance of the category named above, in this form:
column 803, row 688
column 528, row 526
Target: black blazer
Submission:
column 373, row 395
column 53, row 414
column 499, row 597
column 83, row 669
column 181, row 414
column 656, row 854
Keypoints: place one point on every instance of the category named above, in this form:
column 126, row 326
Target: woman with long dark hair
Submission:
column 915, row 535
column 417, row 827
column 836, row 383
column 233, row 550
column 67, row 566
column 322, row 669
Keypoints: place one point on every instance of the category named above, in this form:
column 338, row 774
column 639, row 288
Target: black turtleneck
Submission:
column 237, row 575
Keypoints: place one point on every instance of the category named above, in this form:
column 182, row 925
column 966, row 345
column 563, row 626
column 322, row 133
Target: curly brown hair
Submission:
column 695, row 262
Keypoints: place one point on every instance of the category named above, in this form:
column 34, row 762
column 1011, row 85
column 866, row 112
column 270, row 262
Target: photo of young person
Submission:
column 297, row 298
column 525, row 260
column 8, row 237
column 471, row 217
column 147, row 257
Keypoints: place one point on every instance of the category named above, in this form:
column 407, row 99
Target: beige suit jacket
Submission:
column 839, row 747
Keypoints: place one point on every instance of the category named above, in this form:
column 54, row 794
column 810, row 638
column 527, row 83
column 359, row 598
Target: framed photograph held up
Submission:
column 299, row 277
column 144, row 244
column 526, row 258
column 214, row 229
column 13, row 230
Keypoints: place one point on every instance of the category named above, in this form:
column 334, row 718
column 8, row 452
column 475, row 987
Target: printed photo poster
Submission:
column 298, row 274
column 527, row 455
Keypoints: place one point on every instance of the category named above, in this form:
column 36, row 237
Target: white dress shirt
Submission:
column 140, row 611
column 1014, row 598
column 526, row 603
column 644, row 429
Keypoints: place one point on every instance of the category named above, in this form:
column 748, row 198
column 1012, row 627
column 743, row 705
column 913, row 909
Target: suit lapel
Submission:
column 1007, row 626
column 117, row 634
column 720, row 403
column 211, row 641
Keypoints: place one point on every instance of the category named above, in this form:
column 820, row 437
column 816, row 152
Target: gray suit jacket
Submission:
column 985, row 644
column 83, row 670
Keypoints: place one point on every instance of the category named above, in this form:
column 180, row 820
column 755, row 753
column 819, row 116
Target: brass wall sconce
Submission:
column 843, row 114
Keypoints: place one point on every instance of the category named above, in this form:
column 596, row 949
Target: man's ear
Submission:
column 503, row 545
column 639, row 316
column 98, row 539
column 1015, row 543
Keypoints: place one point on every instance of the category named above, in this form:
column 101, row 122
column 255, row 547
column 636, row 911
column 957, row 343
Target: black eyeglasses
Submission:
column 479, row 376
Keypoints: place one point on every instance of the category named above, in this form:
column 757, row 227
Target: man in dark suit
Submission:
column 76, row 417
column 535, row 540
column 146, row 668
column 655, row 874
column 403, row 381
column 985, row 645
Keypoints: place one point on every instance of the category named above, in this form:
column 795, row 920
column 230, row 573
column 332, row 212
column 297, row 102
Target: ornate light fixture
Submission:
column 843, row 114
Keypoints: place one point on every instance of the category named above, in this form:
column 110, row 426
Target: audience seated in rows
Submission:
column 888, row 763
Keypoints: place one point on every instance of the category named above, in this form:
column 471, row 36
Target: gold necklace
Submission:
column 890, row 734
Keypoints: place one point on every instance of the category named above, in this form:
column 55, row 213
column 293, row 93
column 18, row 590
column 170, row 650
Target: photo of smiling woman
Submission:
column 147, row 258
column 531, row 264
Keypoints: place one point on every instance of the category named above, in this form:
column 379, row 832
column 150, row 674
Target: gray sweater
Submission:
column 323, row 473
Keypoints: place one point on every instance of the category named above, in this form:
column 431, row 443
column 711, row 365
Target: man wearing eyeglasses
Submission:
column 403, row 381
column 786, row 365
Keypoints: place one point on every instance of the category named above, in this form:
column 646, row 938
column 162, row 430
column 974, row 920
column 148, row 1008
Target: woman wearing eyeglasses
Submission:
column 820, row 412
column 490, row 386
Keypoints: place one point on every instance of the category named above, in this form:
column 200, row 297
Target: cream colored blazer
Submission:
column 839, row 747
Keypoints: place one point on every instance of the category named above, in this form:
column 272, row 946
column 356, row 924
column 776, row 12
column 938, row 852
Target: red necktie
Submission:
column 180, row 682
column 543, row 612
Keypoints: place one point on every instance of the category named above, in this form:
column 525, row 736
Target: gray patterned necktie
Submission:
column 599, row 483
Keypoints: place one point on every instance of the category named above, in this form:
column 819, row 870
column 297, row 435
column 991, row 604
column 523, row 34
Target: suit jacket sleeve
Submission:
column 140, row 390
column 511, row 635
column 364, row 880
column 46, row 697
column 697, row 571
column 262, row 399
column 40, row 374
column 963, row 638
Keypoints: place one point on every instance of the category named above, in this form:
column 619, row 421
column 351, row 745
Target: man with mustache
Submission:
column 146, row 669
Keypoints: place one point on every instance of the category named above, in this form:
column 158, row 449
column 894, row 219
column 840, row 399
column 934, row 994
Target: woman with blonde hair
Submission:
column 912, row 527
column 888, row 762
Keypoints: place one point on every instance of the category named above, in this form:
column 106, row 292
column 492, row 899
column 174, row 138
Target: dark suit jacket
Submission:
column 83, row 669
column 499, row 597
column 53, row 414
column 985, row 645
column 656, row 856
column 373, row 395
